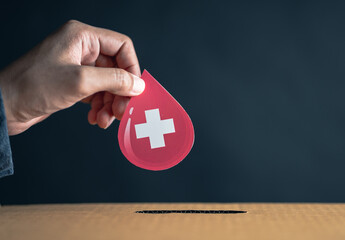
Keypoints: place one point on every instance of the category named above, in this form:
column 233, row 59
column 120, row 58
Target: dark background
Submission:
column 263, row 83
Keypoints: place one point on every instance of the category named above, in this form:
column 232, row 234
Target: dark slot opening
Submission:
column 191, row 211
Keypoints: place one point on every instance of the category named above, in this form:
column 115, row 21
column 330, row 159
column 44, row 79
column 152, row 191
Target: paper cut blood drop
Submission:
column 155, row 132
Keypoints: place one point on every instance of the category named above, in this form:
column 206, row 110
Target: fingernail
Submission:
column 109, row 122
column 106, row 126
column 138, row 85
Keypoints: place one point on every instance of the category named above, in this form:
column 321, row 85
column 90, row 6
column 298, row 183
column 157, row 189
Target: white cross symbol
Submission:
column 154, row 128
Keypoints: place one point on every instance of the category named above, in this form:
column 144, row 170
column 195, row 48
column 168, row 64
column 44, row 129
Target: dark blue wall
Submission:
column 263, row 83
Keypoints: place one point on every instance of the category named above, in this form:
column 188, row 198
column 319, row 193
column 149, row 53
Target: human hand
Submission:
column 77, row 63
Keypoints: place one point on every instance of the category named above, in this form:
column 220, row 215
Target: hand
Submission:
column 77, row 63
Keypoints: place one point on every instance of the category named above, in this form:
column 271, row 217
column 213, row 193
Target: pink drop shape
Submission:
column 155, row 132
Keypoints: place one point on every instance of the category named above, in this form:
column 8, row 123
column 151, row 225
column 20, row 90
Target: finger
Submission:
column 104, row 61
column 106, row 120
column 119, row 106
column 119, row 46
column 114, row 80
column 96, row 105
column 105, row 116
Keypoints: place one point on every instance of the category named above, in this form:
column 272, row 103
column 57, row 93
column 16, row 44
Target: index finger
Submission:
column 120, row 47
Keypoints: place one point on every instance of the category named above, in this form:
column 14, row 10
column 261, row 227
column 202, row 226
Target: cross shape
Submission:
column 154, row 128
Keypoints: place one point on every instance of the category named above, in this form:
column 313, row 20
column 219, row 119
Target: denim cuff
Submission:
column 6, row 163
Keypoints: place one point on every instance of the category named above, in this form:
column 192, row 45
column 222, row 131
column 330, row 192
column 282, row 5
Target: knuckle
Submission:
column 75, row 29
column 123, row 80
column 125, row 37
column 127, row 40
column 71, row 24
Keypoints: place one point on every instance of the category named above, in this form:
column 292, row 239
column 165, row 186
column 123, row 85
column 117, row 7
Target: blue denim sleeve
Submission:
column 6, row 164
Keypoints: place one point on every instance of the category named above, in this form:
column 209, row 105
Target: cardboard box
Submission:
column 121, row 221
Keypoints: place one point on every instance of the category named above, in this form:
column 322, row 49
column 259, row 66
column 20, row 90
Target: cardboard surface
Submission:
column 119, row 221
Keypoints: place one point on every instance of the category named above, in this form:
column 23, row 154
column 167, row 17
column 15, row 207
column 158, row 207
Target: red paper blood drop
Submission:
column 155, row 132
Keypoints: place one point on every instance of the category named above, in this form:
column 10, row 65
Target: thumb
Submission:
column 113, row 80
